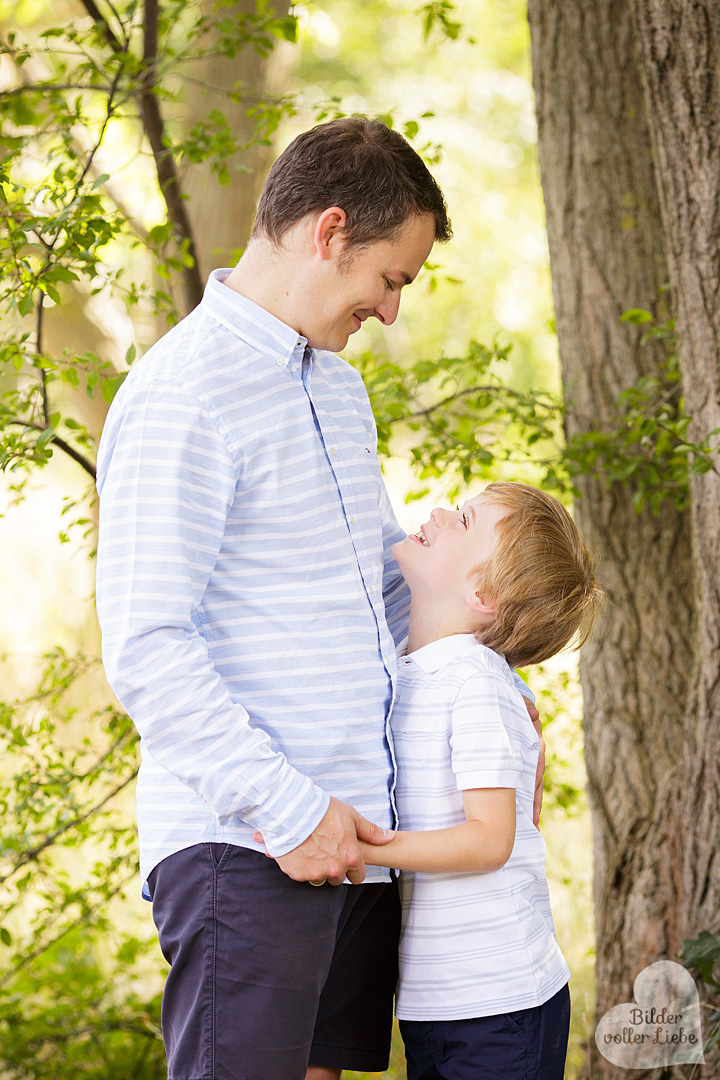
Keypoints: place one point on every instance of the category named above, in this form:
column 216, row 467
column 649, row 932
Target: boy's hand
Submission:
column 537, row 801
column 332, row 852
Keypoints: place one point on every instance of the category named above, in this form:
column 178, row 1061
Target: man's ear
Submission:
column 479, row 604
column 329, row 232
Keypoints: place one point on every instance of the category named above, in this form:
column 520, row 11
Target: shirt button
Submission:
column 280, row 361
column 371, row 590
column 352, row 520
column 333, row 451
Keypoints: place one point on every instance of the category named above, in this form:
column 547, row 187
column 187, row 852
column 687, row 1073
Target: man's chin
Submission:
column 331, row 344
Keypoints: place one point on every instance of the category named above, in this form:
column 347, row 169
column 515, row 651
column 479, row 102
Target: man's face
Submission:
column 438, row 562
column 368, row 283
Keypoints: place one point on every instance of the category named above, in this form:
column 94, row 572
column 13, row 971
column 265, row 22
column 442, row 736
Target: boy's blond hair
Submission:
column 540, row 575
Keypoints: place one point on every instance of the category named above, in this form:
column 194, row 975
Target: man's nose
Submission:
column 387, row 311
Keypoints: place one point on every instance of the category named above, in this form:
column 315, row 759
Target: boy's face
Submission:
column 438, row 561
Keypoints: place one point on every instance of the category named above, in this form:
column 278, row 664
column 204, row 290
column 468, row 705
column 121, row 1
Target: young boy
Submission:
column 504, row 581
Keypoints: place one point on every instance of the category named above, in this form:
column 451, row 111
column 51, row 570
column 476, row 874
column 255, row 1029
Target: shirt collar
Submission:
column 253, row 324
column 438, row 653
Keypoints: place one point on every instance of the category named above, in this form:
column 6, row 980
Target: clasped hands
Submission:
column 332, row 853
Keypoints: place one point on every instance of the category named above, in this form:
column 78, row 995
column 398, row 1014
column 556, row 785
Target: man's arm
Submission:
column 536, row 723
column 167, row 482
column 482, row 843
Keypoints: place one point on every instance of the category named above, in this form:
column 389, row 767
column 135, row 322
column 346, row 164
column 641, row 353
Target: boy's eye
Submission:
column 463, row 517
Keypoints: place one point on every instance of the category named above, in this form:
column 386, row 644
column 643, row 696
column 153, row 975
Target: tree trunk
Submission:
column 607, row 255
column 680, row 50
column 222, row 216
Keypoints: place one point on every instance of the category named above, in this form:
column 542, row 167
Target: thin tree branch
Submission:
column 164, row 161
column 154, row 128
column 58, row 441
column 95, row 14
column 517, row 394
column 44, row 946
column 32, row 853
column 44, row 88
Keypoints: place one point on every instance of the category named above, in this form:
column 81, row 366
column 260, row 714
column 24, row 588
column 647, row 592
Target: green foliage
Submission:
column 73, row 993
column 64, row 999
column 79, row 989
column 457, row 418
column 645, row 444
column 441, row 13
column 701, row 954
column 94, row 80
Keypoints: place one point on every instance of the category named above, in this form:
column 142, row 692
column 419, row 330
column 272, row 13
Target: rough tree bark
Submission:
column 651, row 685
column 222, row 217
column 680, row 50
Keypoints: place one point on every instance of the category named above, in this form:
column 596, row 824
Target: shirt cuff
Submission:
column 299, row 820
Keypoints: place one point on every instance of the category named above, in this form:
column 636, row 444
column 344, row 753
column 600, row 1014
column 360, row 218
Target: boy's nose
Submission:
column 439, row 516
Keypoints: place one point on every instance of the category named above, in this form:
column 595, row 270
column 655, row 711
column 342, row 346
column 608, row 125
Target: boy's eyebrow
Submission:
column 470, row 510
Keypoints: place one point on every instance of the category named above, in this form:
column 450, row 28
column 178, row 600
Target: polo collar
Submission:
column 438, row 653
column 251, row 323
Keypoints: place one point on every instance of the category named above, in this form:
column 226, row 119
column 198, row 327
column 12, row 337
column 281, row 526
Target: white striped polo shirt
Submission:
column 472, row 944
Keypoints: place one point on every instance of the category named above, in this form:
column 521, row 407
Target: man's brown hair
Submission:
column 540, row 575
column 364, row 167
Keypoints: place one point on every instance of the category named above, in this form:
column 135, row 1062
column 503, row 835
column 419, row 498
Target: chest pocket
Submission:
column 422, row 744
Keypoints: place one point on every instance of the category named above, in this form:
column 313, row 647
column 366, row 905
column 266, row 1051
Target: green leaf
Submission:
column 26, row 304
column 637, row 316
column 285, row 28
column 5, row 936
column 110, row 387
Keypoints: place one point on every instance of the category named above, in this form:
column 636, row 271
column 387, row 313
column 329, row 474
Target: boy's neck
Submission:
column 423, row 631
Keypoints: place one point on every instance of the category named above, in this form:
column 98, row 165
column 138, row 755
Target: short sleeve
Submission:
column 483, row 752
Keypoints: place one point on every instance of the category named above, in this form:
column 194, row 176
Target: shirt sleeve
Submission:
column 522, row 686
column 482, row 752
column 167, row 481
column 396, row 593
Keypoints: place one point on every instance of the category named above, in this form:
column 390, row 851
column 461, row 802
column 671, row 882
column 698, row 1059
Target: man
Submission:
column 248, row 600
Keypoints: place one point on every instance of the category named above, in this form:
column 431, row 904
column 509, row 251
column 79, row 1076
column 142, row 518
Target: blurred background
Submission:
column 80, row 969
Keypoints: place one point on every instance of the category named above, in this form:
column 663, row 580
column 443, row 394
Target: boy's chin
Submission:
column 399, row 551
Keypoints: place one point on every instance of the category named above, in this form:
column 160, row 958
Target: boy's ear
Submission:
column 479, row 604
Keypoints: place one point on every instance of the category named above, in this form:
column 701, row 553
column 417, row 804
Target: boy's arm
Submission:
column 482, row 843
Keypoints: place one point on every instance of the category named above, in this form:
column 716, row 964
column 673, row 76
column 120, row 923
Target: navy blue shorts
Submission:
column 529, row 1044
column 268, row 975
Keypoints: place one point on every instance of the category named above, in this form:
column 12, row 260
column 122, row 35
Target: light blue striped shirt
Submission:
column 246, row 589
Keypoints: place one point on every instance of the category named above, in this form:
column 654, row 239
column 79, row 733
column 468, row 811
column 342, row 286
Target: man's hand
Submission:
column 537, row 801
column 331, row 852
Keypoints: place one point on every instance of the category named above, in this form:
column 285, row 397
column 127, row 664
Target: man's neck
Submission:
column 262, row 276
